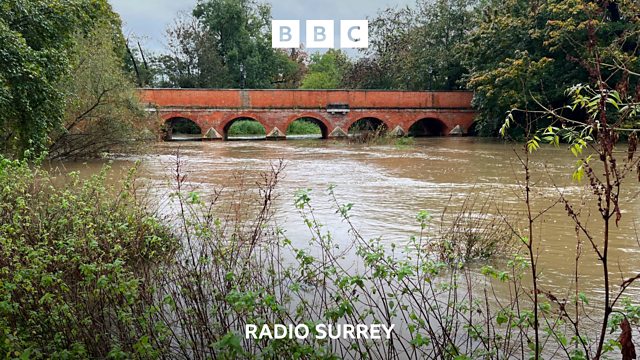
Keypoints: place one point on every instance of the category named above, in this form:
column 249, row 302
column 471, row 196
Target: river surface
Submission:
column 388, row 185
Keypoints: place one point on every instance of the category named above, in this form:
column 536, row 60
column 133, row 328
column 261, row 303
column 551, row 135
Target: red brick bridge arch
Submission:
column 438, row 113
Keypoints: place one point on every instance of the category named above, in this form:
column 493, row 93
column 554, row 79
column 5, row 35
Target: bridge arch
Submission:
column 227, row 123
column 474, row 129
column 316, row 119
column 181, row 128
column 428, row 126
column 367, row 124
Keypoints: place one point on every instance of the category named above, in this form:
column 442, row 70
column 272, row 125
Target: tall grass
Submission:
column 252, row 127
column 303, row 127
column 246, row 127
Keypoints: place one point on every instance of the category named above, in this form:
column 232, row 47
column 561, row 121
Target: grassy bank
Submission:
column 303, row 127
column 254, row 128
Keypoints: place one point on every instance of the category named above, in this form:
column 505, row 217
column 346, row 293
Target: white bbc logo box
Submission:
column 354, row 34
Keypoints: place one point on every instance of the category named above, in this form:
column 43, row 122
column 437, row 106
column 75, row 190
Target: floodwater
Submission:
column 388, row 185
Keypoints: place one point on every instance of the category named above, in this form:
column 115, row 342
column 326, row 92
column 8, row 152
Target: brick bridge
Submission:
column 334, row 111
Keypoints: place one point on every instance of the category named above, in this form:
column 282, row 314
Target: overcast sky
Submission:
column 147, row 19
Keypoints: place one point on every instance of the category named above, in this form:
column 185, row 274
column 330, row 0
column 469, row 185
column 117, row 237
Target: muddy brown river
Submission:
column 388, row 185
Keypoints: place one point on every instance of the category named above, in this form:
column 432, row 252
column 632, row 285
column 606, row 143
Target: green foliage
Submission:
column 326, row 71
column 226, row 44
column 303, row 127
column 88, row 272
column 416, row 48
column 72, row 264
column 38, row 43
column 192, row 60
column 404, row 142
column 246, row 127
column 521, row 56
column 102, row 111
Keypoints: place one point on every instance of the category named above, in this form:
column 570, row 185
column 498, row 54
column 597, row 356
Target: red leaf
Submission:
column 626, row 341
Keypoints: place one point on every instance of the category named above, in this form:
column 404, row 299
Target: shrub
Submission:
column 471, row 233
column 73, row 263
column 246, row 127
column 303, row 127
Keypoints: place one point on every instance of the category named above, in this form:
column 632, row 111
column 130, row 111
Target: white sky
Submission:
column 148, row 19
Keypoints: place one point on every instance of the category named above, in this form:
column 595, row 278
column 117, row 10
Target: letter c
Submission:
column 350, row 33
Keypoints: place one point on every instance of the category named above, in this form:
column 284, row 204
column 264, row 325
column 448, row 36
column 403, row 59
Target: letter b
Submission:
column 320, row 34
column 285, row 34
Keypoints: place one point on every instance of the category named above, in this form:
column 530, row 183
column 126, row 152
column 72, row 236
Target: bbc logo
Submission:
column 354, row 34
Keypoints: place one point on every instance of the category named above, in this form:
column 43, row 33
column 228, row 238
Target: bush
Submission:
column 73, row 264
column 380, row 136
column 103, row 113
column 246, row 127
column 303, row 127
column 470, row 233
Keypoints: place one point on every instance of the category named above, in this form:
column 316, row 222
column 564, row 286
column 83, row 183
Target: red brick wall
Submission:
column 304, row 99
column 216, row 109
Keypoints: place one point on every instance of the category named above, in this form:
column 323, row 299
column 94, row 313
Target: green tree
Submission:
column 523, row 55
column 416, row 48
column 240, row 34
column 102, row 110
column 227, row 44
column 192, row 60
column 326, row 71
column 36, row 39
column 293, row 80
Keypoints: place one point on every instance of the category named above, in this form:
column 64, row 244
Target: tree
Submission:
column 36, row 39
column 138, row 63
column 416, row 49
column 293, row 80
column 326, row 71
column 102, row 110
column 523, row 54
column 227, row 44
column 192, row 61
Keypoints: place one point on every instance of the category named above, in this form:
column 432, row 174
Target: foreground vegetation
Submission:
column 74, row 255
column 91, row 271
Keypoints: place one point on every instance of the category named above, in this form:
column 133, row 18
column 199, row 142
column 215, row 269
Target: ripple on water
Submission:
column 389, row 185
